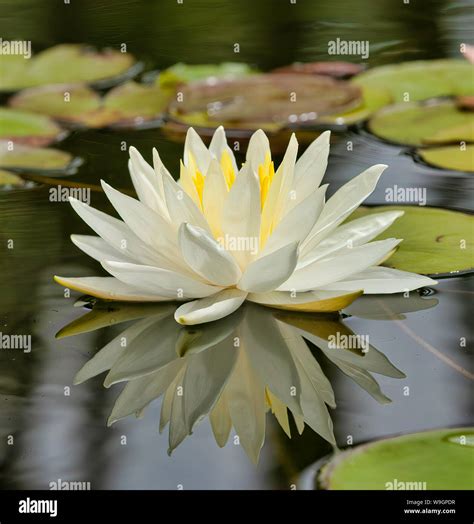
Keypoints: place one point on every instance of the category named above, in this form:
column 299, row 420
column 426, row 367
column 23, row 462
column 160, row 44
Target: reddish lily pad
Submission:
column 274, row 99
column 67, row 63
column 26, row 128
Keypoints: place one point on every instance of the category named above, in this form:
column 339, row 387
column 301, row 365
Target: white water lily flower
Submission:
column 220, row 236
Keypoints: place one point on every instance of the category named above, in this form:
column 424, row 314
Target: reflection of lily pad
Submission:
column 450, row 157
column 412, row 81
column 442, row 459
column 22, row 158
column 435, row 241
column 28, row 128
column 10, row 180
column 67, row 63
column 130, row 104
column 412, row 124
column 278, row 99
column 184, row 73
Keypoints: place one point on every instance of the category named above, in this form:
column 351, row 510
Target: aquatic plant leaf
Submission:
column 25, row 158
column 412, row 124
column 335, row 69
column 28, row 128
column 450, row 157
column 372, row 100
column 419, row 80
column 440, row 458
column 65, row 63
column 9, row 180
column 258, row 99
column 127, row 105
column 181, row 73
column 435, row 241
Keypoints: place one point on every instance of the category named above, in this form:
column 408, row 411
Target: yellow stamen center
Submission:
column 266, row 172
column 227, row 169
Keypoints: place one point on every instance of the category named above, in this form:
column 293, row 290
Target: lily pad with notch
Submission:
column 22, row 127
column 67, row 63
column 128, row 105
column 421, row 79
column 266, row 100
column 436, row 242
column 20, row 158
column 455, row 158
column 416, row 124
column 181, row 73
column 438, row 459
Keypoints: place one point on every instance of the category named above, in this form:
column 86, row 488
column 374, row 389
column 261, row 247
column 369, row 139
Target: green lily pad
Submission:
column 335, row 69
column 126, row 105
column 9, row 180
column 273, row 99
column 66, row 63
column 372, row 100
column 438, row 459
column 435, row 241
column 24, row 158
column 455, row 134
column 184, row 73
column 449, row 157
column 28, row 128
column 413, row 124
column 419, row 80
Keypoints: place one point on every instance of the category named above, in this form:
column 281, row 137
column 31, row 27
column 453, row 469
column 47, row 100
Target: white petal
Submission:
column 241, row 216
column 213, row 197
column 98, row 248
column 211, row 308
column 109, row 288
column 297, row 223
column 207, row 257
column 180, row 205
column 310, row 168
column 147, row 182
column 353, row 234
column 342, row 204
column 149, row 226
column 257, row 150
column 294, row 300
column 269, row 272
column 115, row 233
column 321, row 273
column 279, row 191
column 219, row 144
column 164, row 282
column 194, row 145
column 380, row 279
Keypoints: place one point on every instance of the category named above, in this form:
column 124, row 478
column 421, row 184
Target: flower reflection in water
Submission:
column 232, row 370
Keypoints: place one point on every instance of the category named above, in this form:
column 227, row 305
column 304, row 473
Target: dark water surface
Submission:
column 57, row 435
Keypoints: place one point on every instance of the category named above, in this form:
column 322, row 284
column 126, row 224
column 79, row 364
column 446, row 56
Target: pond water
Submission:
column 59, row 430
